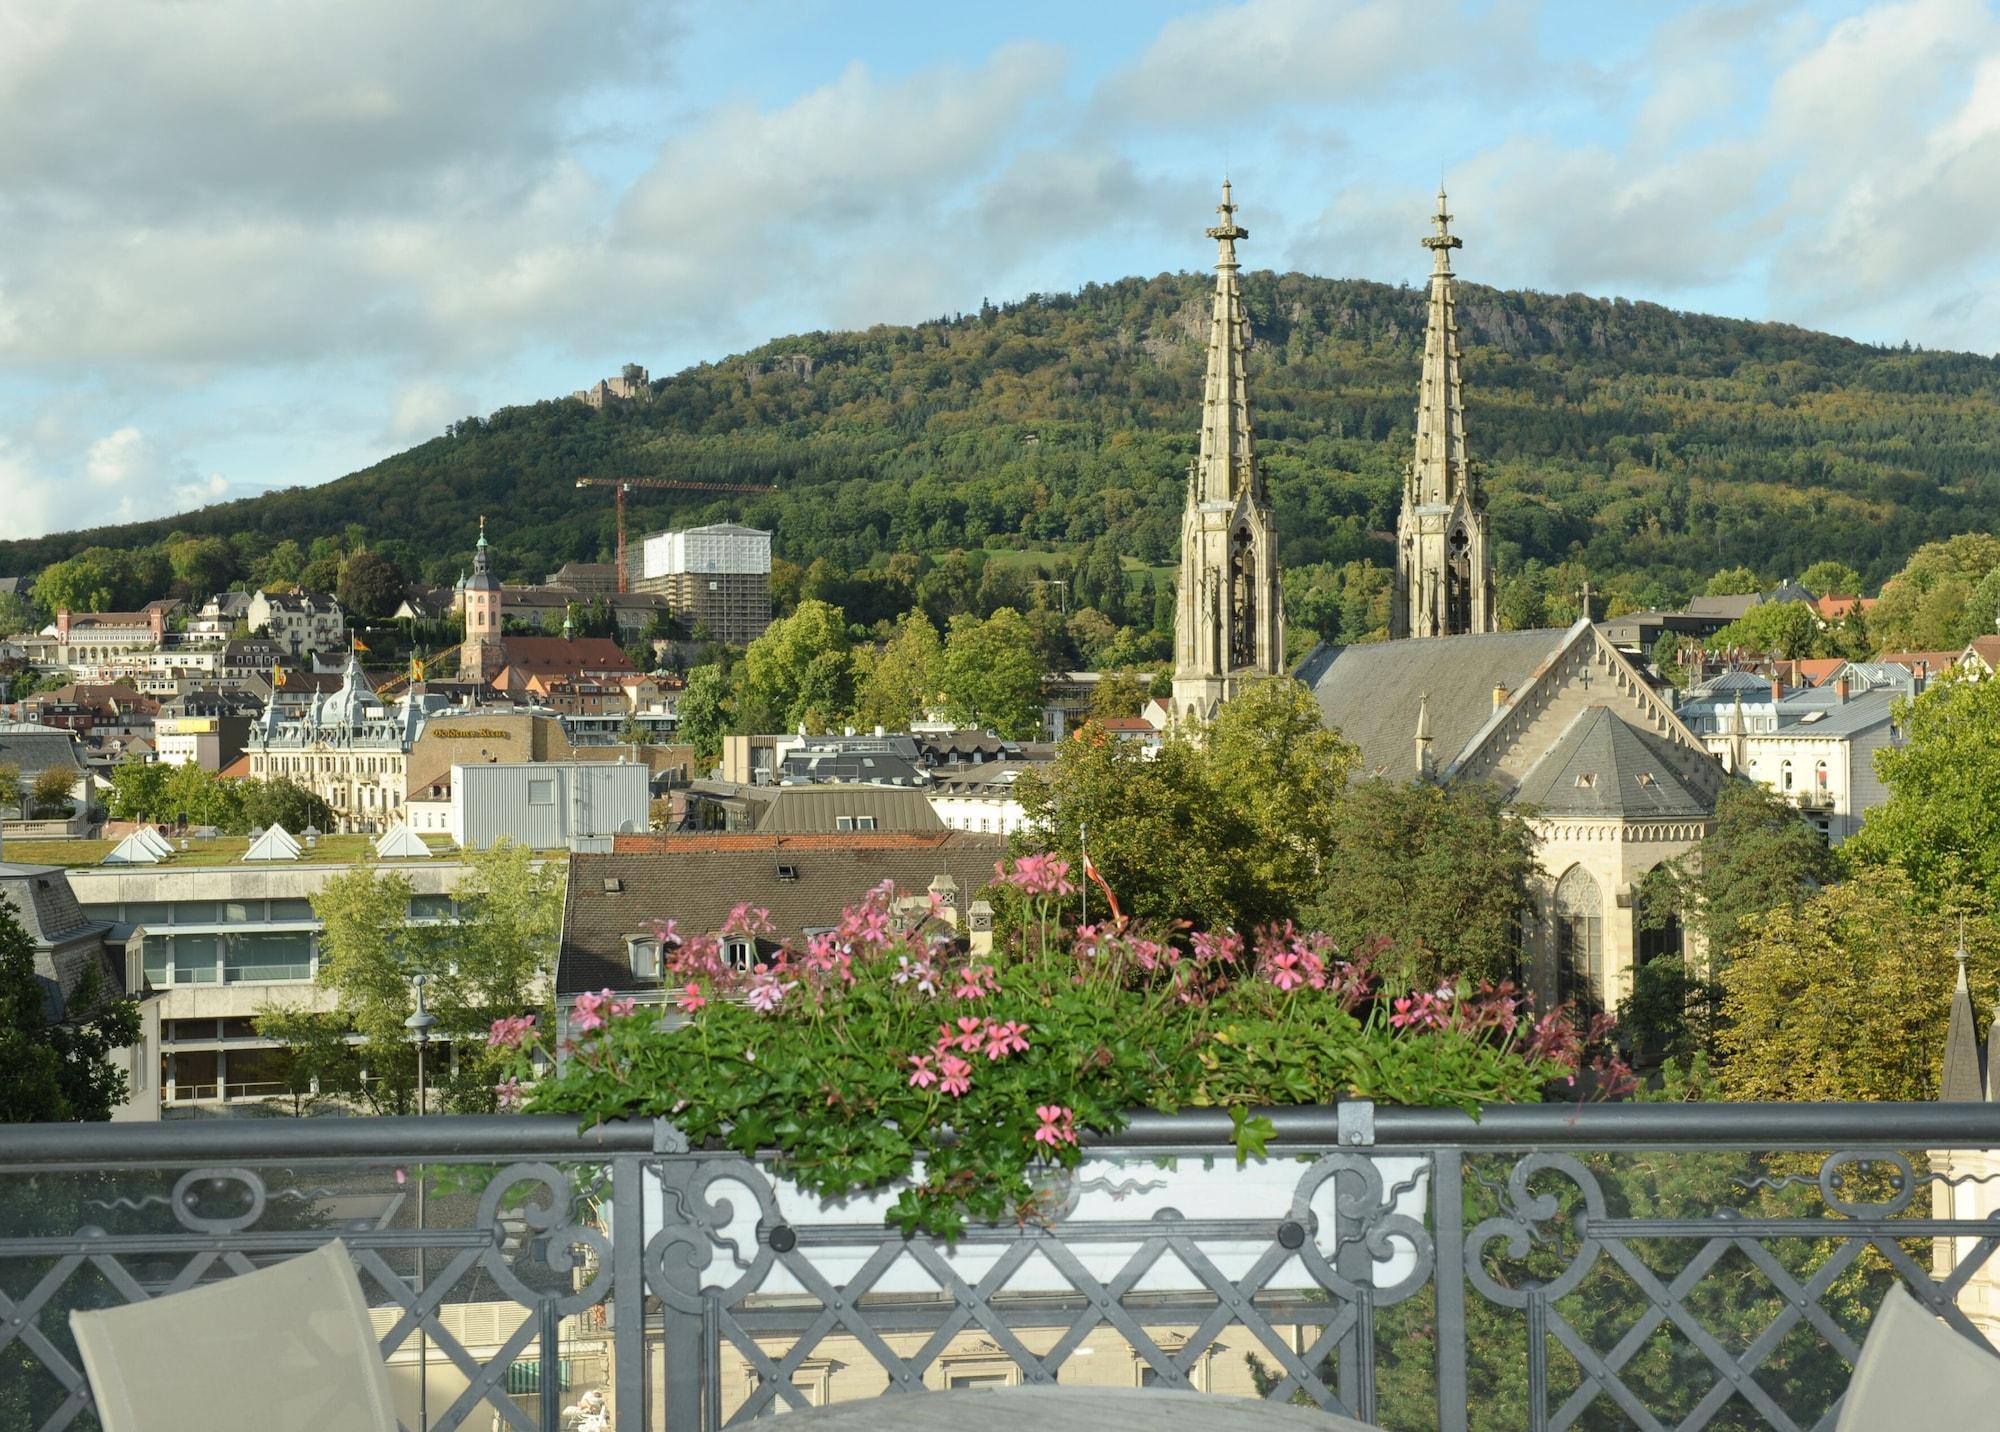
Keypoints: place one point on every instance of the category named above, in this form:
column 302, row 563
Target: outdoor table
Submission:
column 1073, row 1409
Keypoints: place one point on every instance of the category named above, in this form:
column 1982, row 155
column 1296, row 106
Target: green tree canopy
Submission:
column 703, row 713
column 1847, row 996
column 1441, row 872
column 1229, row 827
column 1941, row 823
column 50, row 793
column 990, row 675
column 369, row 585
column 899, row 682
column 800, row 672
column 1785, row 629
column 1733, row 582
column 1831, row 579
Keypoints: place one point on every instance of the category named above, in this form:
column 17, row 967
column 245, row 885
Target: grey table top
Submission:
column 1072, row 1409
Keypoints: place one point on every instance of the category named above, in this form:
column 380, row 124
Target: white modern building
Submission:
column 543, row 805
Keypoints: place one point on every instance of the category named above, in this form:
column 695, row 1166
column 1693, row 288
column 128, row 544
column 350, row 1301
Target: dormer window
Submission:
column 1586, row 780
column 643, row 954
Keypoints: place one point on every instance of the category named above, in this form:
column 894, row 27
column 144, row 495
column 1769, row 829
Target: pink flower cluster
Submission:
column 768, row 988
column 1058, row 1125
column 1290, row 958
column 947, row 1065
column 1042, row 875
column 510, row 1033
column 593, row 1011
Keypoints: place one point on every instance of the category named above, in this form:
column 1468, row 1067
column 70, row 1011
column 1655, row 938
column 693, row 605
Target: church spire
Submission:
column 1229, row 615
column 1438, row 473
column 1228, row 462
column 1444, row 574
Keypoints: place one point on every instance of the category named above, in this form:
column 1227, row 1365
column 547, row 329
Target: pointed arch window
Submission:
column 1579, row 920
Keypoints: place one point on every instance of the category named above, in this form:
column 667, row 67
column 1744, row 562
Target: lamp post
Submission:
column 419, row 1024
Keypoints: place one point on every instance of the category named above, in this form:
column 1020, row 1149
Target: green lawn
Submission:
column 222, row 850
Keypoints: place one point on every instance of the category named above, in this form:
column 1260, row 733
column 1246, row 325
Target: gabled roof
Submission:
column 1602, row 766
column 806, row 809
column 1985, row 650
column 1728, row 608
column 547, row 654
column 1369, row 692
column 33, row 751
column 1933, row 661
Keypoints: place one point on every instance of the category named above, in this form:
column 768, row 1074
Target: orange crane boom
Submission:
column 621, row 485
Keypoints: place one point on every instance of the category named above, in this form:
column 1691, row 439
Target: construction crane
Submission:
column 621, row 485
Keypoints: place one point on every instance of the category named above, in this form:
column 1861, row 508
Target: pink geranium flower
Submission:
column 922, row 1076
column 692, row 1000
column 590, row 1010
column 510, row 1033
column 1058, row 1125
column 767, row 991
column 957, row 1076
column 508, row 1093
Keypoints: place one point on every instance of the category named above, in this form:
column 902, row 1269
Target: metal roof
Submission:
column 1603, row 766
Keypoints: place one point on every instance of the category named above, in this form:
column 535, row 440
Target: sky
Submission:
column 246, row 246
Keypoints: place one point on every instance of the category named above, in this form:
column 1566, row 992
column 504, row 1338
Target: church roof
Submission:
column 1603, row 766
column 1369, row 692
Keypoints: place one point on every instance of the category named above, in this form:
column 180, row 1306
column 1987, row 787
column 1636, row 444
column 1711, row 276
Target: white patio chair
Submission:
column 287, row 1346
column 1917, row 1371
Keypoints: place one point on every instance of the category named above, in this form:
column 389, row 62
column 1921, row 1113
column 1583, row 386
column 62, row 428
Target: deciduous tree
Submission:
column 703, row 713
column 990, row 675
column 1441, row 872
column 1847, row 996
column 899, row 682
column 799, row 672
column 1941, row 823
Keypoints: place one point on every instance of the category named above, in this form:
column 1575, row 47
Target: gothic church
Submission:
column 1612, row 781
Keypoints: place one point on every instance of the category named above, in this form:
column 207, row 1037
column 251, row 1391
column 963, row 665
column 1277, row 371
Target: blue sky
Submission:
column 246, row 246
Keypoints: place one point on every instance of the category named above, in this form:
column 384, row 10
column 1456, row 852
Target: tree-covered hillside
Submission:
column 1651, row 446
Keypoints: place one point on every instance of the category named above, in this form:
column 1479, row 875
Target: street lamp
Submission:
column 419, row 1024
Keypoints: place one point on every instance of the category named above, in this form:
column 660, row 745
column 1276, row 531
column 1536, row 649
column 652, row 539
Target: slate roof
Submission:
column 67, row 941
column 1729, row 608
column 806, row 809
column 1604, row 767
column 33, row 752
column 1369, row 692
column 697, row 880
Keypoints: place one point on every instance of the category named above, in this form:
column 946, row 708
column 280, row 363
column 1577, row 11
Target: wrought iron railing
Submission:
column 1544, row 1267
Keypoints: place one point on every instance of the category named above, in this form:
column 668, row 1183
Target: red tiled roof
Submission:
column 236, row 770
column 548, row 654
column 1936, row 661
column 1833, row 608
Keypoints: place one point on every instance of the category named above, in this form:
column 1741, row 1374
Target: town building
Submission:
column 544, row 805
column 300, row 623
column 587, row 579
column 716, row 578
column 88, row 643
column 824, row 809
column 210, row 740
column 218, row 617
column 350, row 748
column 1444, row 565
column 980, row 798
column 1229, row 623
column 211, row 947
column 34, row 750
column 1815, row 746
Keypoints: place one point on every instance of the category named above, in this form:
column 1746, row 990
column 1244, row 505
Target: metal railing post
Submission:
column 1448, row 1286
column 628, row 1289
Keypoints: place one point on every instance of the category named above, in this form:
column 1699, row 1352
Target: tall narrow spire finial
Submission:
column 1228, row 231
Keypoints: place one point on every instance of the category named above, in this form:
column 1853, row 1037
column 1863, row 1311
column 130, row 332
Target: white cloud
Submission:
column 422, row 408
column 118, row 458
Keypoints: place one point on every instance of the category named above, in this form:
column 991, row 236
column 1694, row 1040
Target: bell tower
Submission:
column 1229, row 615
column 480, row 658
column 1444, row 567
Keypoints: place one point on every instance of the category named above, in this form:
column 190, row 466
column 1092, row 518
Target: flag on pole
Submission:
column 277, row 674
column 360, row 645
column 1090, row 873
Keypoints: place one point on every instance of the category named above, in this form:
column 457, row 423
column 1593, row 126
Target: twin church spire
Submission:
column 1229, row 625
column 1229, row 620
column 1444, row 565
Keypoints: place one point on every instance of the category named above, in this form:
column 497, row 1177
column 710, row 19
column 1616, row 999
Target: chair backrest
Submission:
column 1916, row 1371
column 287, row 1346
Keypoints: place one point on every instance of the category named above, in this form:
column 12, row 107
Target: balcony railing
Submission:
column 1545, row 1267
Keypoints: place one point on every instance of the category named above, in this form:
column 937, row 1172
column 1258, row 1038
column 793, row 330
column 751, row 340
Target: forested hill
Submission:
column 1653, row 446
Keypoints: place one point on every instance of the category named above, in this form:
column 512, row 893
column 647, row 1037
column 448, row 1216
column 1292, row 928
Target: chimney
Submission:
column 1424, row 765
column 1500, row 695
column 979, row 927
column 1777, row 690
column 1840, row 688
column 1923, row 675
